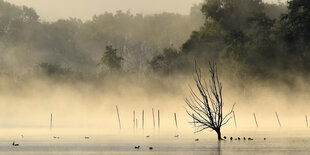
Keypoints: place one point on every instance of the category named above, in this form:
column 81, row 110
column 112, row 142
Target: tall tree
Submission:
column 207, row 106
column 110, row 59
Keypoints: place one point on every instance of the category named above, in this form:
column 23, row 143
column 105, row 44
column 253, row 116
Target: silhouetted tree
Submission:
column 165, row 62
column 110, row 59
column 297, row 21
column 207, row 106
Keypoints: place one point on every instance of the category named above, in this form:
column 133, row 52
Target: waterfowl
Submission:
column 137, row 147
column 176, row 136
column 265, row 138
column 244, row 138
column 225, row 137
column 86, row 137
column 147, row 136
column 150, row 148
column 250, row 138
column 231, row 138
column 238, row 138
column 15, row 144
column 197, row 140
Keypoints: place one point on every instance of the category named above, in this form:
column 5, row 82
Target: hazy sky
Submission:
column 85, row 9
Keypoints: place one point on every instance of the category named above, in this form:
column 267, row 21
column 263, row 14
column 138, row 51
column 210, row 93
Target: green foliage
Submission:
column 250, row 39
column 14, row 21
column 165, row 62
column 110, row 59
column 231, row 14
column 26, row 40
column 294, row 29
column 297, row 21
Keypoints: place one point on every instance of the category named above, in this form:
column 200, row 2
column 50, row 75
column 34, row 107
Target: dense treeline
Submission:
column 249, row 38
column 27, row 42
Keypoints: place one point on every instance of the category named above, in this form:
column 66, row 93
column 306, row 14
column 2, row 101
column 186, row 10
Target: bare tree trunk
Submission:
column 208, row 103
column 219, row 135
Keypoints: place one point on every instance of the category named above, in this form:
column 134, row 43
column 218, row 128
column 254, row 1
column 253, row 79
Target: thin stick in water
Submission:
column 119, row 120
column 153, row 117
column 51, row 121
column 175, row 119
column 278, row 119
column 255, row 119
column 134, row 119
column 142, row 119
column 158, row 120
column 307, row 121
column 137, row 123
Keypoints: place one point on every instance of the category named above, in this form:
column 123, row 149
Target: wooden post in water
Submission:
column 142, row 119
column 137, row 123
column 175, row 119
column 255, row 119
column 134, row 119
column 306, row 121
column 51, row 121
column 153, row 118
column 119, row 120
column 158, row 120
column 235, row 119
column 278, row 119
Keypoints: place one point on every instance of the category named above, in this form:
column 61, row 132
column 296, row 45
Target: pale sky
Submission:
column 51, row 10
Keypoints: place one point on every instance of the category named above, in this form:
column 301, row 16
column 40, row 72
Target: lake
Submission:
column 162, row 143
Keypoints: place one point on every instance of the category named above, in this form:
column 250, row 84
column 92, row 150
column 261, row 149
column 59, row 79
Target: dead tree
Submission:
column 207, row 105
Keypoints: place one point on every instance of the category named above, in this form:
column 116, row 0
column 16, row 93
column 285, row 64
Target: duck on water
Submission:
column 15, row 144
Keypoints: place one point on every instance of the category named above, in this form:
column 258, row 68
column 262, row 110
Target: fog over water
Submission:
column 140, row 66
column 83, row 98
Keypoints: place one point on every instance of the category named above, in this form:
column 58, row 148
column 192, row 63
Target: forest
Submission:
column 28, row 42
column 249, row 39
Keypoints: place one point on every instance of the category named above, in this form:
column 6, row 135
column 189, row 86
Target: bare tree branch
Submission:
column 208, row 108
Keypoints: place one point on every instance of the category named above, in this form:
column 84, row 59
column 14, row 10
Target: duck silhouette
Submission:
column 15, row 144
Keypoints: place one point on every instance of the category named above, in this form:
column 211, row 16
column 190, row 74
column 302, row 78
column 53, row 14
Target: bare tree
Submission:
column 207, row 105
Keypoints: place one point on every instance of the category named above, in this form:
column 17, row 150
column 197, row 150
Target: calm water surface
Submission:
column 167, row 144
